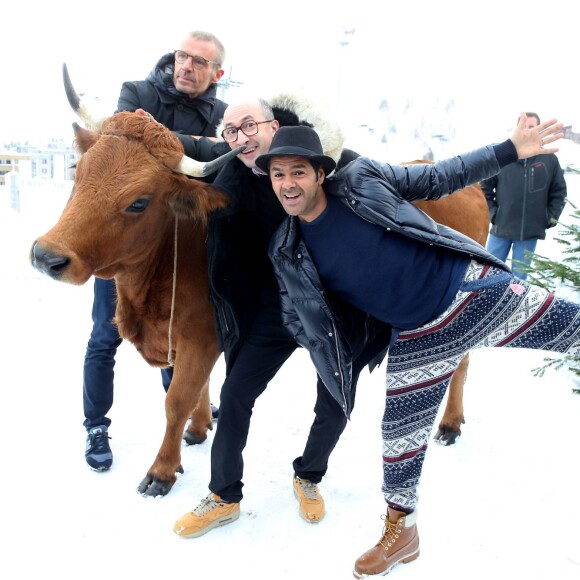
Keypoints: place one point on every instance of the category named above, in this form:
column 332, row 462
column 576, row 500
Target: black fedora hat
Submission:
column 300, row 141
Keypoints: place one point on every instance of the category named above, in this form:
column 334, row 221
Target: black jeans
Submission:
column 263, row 352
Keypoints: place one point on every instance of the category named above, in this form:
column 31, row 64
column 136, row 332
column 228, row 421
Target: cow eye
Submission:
column 139, row 205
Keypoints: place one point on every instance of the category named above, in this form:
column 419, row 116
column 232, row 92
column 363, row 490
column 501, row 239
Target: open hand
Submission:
column 530, row 142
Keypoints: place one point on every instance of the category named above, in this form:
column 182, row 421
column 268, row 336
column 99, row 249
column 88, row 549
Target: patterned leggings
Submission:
column 491, row 309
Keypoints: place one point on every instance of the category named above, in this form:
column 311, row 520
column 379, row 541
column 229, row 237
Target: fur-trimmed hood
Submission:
column 292, row 109
column 289, row 107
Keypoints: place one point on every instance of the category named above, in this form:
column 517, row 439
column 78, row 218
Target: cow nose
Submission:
column 48, row 262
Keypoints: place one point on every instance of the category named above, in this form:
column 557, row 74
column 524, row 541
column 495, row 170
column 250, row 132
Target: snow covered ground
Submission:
column 504, row 501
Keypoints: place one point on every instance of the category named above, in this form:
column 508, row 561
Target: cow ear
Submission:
column 84, row 138
column 195, row 199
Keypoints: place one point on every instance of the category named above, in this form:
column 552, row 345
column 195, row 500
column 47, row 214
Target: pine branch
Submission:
column 551, row 276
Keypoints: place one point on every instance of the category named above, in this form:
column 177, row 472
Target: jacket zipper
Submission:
column 527, row 169
column 224, row 318
column 341, row 374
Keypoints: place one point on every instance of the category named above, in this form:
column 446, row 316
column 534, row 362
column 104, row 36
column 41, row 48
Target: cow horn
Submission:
column 194, row 168
column 75, row 101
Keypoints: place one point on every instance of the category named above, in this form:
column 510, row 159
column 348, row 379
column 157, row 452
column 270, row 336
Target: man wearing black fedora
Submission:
column 357, row 235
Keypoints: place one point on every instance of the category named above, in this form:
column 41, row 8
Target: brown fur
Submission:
column 132, row 158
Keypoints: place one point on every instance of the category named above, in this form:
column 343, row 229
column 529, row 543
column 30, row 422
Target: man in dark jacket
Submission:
column 524, row 199
column 180, row 93
column 255, row 344
column 360, row 237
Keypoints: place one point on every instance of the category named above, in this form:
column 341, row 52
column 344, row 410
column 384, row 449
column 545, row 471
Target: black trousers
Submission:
column 264, row 351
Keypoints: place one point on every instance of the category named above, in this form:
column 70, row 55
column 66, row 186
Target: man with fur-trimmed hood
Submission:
column 245, row 296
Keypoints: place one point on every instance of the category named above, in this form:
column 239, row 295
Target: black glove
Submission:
column 202, row 149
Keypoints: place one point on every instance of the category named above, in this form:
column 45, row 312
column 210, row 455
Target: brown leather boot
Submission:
column 399, row 543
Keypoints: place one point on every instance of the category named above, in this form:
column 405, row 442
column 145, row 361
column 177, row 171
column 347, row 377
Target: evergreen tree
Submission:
column 563, row 277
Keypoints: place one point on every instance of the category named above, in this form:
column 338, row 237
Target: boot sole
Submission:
column 100, row 466
column 215, row 524
column 405, row 560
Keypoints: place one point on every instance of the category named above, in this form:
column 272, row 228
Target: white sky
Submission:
column 494, row 58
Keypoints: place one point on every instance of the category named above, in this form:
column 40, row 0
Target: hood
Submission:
column 292, row 109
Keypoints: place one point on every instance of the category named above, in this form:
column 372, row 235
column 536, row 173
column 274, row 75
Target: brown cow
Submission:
column 120, row 222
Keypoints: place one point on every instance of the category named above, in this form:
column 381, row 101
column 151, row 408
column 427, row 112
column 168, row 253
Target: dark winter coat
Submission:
column 380, row 194
column 240, row 273
column 158, row 96
column 526, row 198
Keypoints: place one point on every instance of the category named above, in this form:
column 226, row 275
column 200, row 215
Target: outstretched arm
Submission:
column 530, row 142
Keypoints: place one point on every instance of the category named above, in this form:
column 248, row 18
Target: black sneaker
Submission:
column 98, row 453
column 215, row 412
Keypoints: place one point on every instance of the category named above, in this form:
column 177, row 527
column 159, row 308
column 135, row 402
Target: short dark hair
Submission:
column 531, row 114
column 316, row 165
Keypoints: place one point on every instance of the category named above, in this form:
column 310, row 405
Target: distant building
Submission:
column 34, row 177
column 569, row 134
column 12, row 161
column 54, row 160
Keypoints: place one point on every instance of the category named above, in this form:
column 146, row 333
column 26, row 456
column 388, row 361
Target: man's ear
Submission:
column 321, row 176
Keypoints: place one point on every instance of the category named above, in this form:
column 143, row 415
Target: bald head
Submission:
column 253, row 116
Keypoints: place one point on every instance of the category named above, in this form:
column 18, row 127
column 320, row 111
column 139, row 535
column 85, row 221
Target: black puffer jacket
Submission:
column 158, row 96
column 526, row 198
column 380, row 194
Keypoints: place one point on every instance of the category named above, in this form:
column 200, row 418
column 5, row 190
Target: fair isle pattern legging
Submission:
column 491, row 309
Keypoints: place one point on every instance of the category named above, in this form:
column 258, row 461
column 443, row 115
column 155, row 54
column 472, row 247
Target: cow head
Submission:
column 129, row 186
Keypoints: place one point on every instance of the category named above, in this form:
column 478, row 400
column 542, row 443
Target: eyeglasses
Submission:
column 198, row 62
column 248, row 128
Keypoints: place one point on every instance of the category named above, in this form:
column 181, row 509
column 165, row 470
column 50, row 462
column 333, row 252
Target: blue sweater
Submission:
column 396, row 279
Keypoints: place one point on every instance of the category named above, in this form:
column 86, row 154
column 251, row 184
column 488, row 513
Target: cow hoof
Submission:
column 193, row 439
column 152, row 488
column 446, row 436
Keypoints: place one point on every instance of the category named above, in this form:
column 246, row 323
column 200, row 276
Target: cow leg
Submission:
column 201, row 420
column 189, row 387
column 450, row 425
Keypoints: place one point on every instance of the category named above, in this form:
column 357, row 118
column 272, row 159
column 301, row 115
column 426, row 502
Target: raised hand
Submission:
column 530, row 142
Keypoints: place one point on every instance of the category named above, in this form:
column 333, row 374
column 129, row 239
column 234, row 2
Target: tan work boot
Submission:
column 209, row 514
column 310, row 500
column 399, row 543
